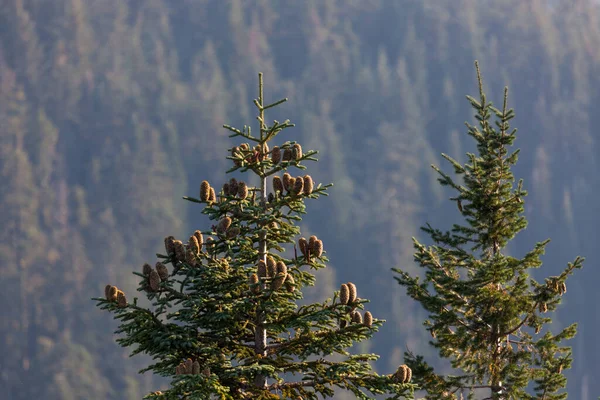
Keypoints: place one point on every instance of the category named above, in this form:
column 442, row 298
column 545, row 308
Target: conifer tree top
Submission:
column 486, row 314
column 224, row 320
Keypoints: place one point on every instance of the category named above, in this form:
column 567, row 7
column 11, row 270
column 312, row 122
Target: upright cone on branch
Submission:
column 351, row 292
column 154, row 280
column 287, row 154
column 287, row 178
column 344, row 294
column 276, row 155
column 205, row 191
column 199, row 238
column 277, row 184
column 308, row 185
column 242, row 190
column 170, row 245
column 297, row 152
column 162, row 270
column 303, row 245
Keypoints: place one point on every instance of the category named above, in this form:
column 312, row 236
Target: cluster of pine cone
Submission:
column 189, row 367
column 242, row 154
column 348, row 297
column 295, row 186
column 207, row 193
column 275, row 271
column 112, row 293
column 311, row 247
column 235, row 188
column 403, row 374
column 155, row 275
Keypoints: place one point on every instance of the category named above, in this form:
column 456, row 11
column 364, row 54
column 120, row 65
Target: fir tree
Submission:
column 486, row 314
column 224, row 320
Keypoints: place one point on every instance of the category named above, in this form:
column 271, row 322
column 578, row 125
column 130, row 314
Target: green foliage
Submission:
column 486, row 314
column 224, row 319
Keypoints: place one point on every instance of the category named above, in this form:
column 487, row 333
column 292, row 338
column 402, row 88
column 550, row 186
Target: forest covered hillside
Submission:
column 110, row 112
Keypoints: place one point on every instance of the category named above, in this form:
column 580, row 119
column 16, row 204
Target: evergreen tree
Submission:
column 486, row 314
column 224, row 320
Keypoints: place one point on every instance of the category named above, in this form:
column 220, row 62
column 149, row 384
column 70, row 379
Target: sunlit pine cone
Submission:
column 253, row 283
column 271, row 262
column 190, row 258
column 224, row 224
column 162, row 270
column 271, row 270
column 290, row 283
column 403, row 374
column 277, row 184
column 352, row 292
column 200, row 239
column 213, row 196
column 107, row 292
column 291, row 185
column 303, row 245
column 308, row 184
column 281, row 268
column 204, row 191
column 112, row 293
column 368, row 320
column 287, row 154
column 344, row 294
column 154, row 280
column 286, row 181
column 276, row 155
column 169, row 245
column 121, row 299
column 261, row 269
column 226, row 189
column 298, row 185
column 233, row 186
column 189, row 366
column 317, row 248
column 179, row 251
column 297, row 152
column 311, row 242
column 193, row 245
column 356, row 317
column 242, row 190
column 206, row 372
column 278, row 281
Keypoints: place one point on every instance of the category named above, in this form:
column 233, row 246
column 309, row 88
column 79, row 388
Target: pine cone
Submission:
column 242, row 190
column 308, row 184
column 286, row 181
column 297, row 152
column 271, row 270
column 169, row 245
column 290, row 283
column 154, row 280
column 107, row 292
column 356, row 317
column 112, row 293
column 344, row 294
column 368, row 319
column 281, row 268
column 287, row 154
column 317, row 248
column 226, row 189
column 253, row 283
column 213, row 196
column 261, row 269
column 298, row 185
column 233, row 186
column 277, row 184
column 196, row 367
column 121, row 299
column 162, row 270
column 403, row 374
column 278, row 281
column 204, row 191
column 224, row 224
column 200, row 239
column 303, row 245
column 352, row 292
column 179, row 250
column 276, row 155
column 146, row 269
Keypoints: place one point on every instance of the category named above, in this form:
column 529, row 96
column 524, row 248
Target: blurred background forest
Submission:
column 111, row 111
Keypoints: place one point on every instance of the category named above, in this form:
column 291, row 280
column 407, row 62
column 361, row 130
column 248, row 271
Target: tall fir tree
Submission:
column 224, row 320
column 487, row 316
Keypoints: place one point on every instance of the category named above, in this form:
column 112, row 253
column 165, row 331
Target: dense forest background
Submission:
column 111, row 111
